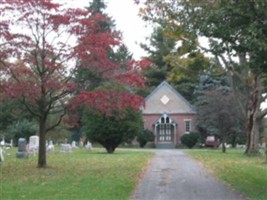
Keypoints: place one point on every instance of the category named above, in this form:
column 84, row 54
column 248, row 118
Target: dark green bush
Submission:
column 190, row 139
column 22, row 128
column 144, row 137
column 111, row 131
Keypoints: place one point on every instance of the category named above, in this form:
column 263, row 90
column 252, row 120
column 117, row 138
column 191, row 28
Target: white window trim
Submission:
column 190, row 125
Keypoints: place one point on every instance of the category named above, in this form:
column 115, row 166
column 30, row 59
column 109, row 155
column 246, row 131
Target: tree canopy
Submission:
column 111, row 131
column 237, row 32
column 217, row 111
column 42, row 44
column 107, row 93
column 176, row 60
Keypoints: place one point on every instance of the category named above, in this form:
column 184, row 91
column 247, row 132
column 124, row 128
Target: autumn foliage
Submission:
column 42, row 45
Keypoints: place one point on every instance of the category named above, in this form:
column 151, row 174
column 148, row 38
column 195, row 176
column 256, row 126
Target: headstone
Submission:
column 2, row 143
column 88, row 146
column 263, row 145
column 22, row 150
column 34, row 144
column 240, row 146
column 11, row 143
column 73, row 144
column 81, row 144
column 1, row 155
column 51, row 143
column 65, row 148
column 50, row 147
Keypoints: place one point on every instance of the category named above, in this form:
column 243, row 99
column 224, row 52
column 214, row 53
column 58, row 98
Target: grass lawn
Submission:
column 73, row 176
column 246, row 174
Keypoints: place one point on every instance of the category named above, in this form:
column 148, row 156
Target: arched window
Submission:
column 167, row 120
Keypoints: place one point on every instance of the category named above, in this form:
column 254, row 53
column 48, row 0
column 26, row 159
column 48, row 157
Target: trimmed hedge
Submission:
column 190, row 139
column 144, row 137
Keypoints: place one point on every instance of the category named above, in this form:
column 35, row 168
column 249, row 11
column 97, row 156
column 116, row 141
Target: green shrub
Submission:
column 190, row 139
column 144, row 137
column 22, row 128
column 111, row 131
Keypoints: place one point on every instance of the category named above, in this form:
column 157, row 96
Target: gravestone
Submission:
column 240, row 146
column 65, row 148
column 80, row 144
column 22, row 150
column 2, row 143
column 33, row 144
column 73, row 144
column 11, row 143
column 88, row 146
column 50, row 147
column 1, row 155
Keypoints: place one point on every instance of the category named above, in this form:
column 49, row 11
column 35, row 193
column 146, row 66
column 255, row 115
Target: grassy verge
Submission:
column 78, row 175
column 246, row 174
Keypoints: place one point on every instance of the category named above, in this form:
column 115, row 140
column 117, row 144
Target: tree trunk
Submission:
column 223, row 144
column 253, row 120
column 42, row 144
column 253, row 137
column 110, row 149
column 223, row 147
column 233, row 141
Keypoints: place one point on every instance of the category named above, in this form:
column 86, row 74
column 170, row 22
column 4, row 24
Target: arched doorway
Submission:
column 164, row 130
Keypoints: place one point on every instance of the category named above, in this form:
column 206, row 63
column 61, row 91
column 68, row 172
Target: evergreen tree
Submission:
column 97, row 6
column 160, row 46
column 176, row 60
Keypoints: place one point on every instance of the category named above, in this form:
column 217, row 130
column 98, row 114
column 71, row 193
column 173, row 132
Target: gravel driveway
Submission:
column 172, row 175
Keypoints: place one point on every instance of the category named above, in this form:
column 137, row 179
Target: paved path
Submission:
column 172, row 175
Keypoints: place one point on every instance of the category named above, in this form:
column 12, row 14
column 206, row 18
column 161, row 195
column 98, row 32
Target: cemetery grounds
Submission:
column 80, row 174
column 83, row 174
column 245, row 174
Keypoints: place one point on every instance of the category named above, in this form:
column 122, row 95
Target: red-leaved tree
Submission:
column 41, row 43
column 42, row 46
column 107, row 87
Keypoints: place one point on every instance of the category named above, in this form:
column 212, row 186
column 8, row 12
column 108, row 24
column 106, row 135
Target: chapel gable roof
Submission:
column 165, row 99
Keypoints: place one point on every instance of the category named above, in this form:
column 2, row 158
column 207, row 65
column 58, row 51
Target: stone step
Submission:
column 165, row 146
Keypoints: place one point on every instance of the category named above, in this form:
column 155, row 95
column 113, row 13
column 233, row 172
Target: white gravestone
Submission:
column 50, row 147
column 88, row 146
column 65, row 148
column 73, row 144
column 1, row 155
column 240, row 146
column 33, row 144
column 2, row 143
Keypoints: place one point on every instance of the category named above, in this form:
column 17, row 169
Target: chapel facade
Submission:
column 168, row 115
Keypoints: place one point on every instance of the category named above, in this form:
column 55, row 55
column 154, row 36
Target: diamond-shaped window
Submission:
column 164, row 99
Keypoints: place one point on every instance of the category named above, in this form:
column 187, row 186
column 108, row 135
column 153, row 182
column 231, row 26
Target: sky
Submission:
column 125, row 14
